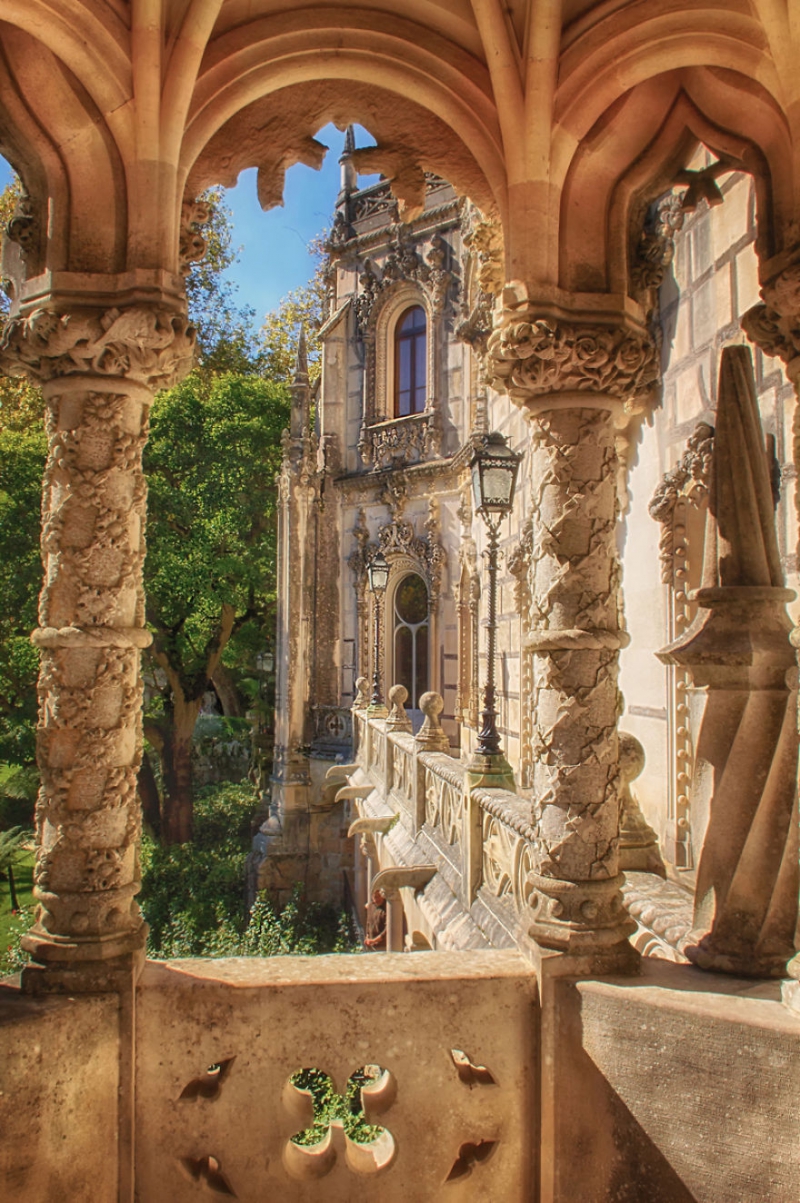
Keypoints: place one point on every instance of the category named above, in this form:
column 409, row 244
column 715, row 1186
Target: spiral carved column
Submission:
column 578, row 384
column 98, row 372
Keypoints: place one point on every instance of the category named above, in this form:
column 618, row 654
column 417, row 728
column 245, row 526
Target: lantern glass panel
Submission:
column 498, row 484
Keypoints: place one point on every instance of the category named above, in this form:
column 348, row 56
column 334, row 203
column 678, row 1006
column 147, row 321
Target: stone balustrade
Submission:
column 480, row 840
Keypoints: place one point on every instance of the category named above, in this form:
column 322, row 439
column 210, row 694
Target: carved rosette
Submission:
column 98, row 372
column 533, row 357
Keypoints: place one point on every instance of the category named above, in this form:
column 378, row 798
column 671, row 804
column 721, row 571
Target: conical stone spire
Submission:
column 301, row 393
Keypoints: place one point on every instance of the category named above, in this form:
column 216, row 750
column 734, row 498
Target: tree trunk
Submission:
column 227, row 692
column 12, row 889
column 148, row 794
column 177, row 811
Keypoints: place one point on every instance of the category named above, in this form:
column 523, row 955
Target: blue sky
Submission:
column 274, row 257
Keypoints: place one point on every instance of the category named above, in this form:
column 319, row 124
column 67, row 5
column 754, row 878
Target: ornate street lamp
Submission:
column 378, row 577
column 494, row 468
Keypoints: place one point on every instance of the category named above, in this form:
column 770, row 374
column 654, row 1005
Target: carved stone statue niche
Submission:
column 739, row 653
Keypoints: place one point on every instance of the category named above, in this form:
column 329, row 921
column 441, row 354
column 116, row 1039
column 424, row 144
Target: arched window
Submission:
column 411, row 637
column 411, row 362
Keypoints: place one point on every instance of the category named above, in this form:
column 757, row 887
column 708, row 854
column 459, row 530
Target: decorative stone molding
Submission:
column 192, row 246
column 97, row 372
column 688, row 481
column 399, row 539
column 533, row 357
column 483, row 240
column 431, row 737
column 153, row 346
column 407, row 440
column 405, row 264
column 774, row 324
column 22, row 229
column 679, row 505
column 656, row 247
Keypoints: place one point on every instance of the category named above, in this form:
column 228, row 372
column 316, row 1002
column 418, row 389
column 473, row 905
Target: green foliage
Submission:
column 211, row 462
column 22, row 458
column 191, row 890
column 302, row 307
column 10, row 848
column 226, row 332
column 330, row 1107
column 18, row 789
column 193, row 894
column 13, row 927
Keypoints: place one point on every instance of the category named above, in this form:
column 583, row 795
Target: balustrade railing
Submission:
column 481, row 840
column 223, row 1109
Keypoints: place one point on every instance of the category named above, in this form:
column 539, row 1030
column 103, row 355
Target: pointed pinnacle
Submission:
column 349, row 141
column 301, row 360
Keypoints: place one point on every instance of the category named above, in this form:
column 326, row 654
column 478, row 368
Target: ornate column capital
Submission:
column 774, row 324
column 150, row 345
column 537, row 352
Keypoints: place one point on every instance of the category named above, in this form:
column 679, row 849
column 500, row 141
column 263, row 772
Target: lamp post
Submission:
column 494, row 468
column 378, row 577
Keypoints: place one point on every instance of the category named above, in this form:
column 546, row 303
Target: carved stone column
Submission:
column 98, row 371
column 580, row 384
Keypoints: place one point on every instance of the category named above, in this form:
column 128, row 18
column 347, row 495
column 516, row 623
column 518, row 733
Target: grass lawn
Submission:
column 23, row 878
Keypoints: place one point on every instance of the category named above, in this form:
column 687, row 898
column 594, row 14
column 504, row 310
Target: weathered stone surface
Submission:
column 268, row 1019
column 59, row 1098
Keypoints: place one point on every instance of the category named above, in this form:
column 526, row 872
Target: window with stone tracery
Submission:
column 411, row 362
column 410, row 637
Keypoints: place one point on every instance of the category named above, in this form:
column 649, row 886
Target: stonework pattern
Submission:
column 576, row 635
column 97, row 372
column 537, row 356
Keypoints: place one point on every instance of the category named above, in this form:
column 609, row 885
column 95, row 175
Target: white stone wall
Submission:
column 712, row 282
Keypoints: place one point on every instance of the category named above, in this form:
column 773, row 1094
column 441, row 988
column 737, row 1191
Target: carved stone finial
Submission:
column 431, row 736
column 398, row 720
column 362, row 696
column 688, row 480
column 638, row 843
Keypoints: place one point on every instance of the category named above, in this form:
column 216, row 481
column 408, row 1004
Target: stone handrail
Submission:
column 484, row 839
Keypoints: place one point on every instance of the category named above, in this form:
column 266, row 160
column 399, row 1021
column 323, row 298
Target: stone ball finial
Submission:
column 431, row 736
column 362, row 697
column 631, row 758
column 398, row 720
column 638, row 843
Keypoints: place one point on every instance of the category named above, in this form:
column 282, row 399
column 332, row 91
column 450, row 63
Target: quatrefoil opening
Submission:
column 339, row 1124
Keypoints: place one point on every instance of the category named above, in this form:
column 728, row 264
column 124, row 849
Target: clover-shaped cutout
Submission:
column 338, row 1124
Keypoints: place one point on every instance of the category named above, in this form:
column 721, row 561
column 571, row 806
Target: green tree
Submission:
column 211, row 463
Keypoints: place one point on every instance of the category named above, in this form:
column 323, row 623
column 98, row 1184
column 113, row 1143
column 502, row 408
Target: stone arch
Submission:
column 605, row 197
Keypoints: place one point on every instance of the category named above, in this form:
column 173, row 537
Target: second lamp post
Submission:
column 494, row 468
column 378, row 577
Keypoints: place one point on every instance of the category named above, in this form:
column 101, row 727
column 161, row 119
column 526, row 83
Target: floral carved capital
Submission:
column 774, row 324
column 152, row 346
column 537, row 357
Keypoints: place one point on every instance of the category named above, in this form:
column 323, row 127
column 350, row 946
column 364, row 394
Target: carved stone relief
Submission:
column 679, row 505
column 98, row 371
